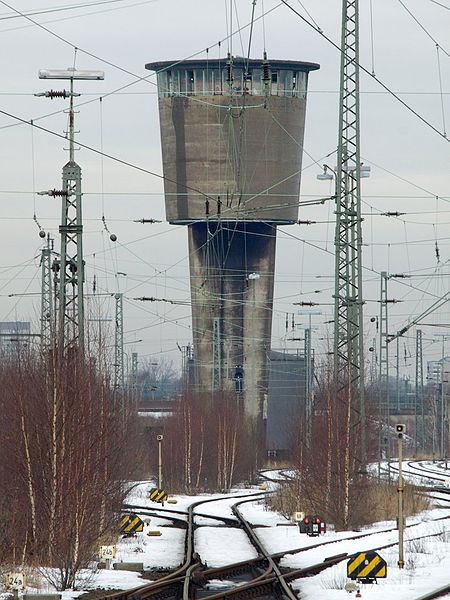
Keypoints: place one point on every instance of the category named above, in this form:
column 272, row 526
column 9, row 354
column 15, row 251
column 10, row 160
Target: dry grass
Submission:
column 382, row 498
column 373, row 502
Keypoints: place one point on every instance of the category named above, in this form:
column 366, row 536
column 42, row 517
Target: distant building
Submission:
column 13, row 334
column 232, row 135
column 286, row 406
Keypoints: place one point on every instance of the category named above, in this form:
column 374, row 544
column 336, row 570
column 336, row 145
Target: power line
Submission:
column 56, row 9
column 374, row 77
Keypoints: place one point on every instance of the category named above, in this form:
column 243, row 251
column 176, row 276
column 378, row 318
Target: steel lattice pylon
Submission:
column 384, row 345
column 348, row 302
column 71, row 266
column 118, row 346
column 384, row 399
column 71, row 296
column 217, row 356
column 71, row 301
column 418, row 399
column 47, row 298
column 308, row 386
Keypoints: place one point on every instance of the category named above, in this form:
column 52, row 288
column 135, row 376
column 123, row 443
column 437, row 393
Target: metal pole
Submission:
column 418, row 402
column 217, row 356
column 47, row 298
column 442, row 406
column 384, row 367
column 118, row 345
column 308, row 400
column 160, row 439
column 71, row 294
column 400, row 489
column 348, row 300
column 398, row 375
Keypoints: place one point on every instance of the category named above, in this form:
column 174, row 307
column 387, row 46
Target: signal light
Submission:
column 317, row 520
column 306, row 520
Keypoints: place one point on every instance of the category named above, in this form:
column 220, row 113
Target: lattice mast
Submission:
column 71, row 303
column 308, row 386
column 118, row 345
column 47, row 297
column 418, row 399
column 217, row 356
column 348, row 331
column 384, row 399
column 71, row 296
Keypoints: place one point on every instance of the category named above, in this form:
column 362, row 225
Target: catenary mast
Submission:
column 71, row 296
column 348, row 299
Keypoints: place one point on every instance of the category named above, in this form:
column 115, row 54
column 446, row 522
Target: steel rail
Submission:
column 289, row 593
column 420, row 467
column 438, row 593
column 153, row 511
column 423, row 471
column 180, row 577
column 307, row 570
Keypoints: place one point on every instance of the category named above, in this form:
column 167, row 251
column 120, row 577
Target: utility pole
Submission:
column 134, row 371
column 309, row 368
column 118, row 345
column 397, row 373
column 71, row 296
column 217, row 356
column 47, row 297
column 400, row 428
column 308, row 381
column 418, row 400
column 253, row 278
column 160, row 438
column 348, row 299
column 384, row 401
column 442, row 411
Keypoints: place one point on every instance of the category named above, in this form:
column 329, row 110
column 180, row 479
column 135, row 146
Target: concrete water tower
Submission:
column 232, row 137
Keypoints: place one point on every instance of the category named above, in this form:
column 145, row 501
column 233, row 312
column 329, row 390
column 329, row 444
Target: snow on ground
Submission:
column 223, row 546
column 426, row 569
column 427, row 562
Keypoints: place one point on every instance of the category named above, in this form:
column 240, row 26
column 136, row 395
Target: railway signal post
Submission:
column 400, row 428
column 160, row 438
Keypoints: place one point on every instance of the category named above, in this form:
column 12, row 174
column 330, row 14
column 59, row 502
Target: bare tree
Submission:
column 207, row 442
column 65, row 449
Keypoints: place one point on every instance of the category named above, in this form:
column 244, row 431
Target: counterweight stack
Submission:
column 232, row 136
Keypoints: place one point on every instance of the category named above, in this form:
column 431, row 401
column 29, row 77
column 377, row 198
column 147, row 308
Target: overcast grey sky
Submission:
column 409, row 161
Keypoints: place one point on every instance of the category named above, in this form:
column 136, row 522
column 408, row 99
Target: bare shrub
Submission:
column 379, row 502
column 208, row 444
column 64, row 453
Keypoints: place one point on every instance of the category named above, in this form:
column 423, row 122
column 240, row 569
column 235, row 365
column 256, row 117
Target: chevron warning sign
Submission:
column 366, row 566
column 130, row 524
column 158, row 495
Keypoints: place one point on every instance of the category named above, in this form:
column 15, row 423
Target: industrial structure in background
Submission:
column 232, row 137
column 289, row 407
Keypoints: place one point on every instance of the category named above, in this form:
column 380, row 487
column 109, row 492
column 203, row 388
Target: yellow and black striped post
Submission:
column 130, row 524
column 366, row 566
column 157, row 495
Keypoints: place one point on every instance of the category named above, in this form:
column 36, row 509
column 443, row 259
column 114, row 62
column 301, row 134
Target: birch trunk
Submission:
column 29, row 475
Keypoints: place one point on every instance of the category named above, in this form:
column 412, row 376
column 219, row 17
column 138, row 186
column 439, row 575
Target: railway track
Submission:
column 437, row 593
column 263, row 577
column 181, row 582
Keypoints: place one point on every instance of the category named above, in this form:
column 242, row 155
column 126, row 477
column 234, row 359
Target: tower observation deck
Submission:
column 232, row 136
